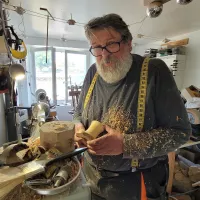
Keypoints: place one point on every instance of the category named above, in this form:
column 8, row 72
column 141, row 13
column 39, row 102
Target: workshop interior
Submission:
column 44, row 57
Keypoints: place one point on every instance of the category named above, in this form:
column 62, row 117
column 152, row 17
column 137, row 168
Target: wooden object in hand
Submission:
column 93, row 131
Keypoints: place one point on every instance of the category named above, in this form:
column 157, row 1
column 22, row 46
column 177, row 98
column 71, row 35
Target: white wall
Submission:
column 192, row 71
column 56, row 42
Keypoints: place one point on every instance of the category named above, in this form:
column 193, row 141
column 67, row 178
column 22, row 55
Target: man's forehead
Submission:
column 103, row 35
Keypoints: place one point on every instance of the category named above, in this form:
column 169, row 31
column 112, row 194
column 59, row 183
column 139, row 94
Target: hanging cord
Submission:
column 139, row 22
column 22, row 23
column 4, row 30
column 57, row 19
column 43, row 16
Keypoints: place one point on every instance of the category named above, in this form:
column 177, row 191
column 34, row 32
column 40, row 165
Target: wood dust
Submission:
column 22, row 192
column 117, row 119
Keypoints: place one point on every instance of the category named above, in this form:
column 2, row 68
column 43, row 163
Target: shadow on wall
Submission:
column 62, row 112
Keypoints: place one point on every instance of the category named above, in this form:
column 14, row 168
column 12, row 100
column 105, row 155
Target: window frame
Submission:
column 53, row 57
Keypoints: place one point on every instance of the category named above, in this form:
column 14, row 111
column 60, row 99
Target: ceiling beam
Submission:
column 147, row 2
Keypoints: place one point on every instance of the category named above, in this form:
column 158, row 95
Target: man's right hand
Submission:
column 80, row 142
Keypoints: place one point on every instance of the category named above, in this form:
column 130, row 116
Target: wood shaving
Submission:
column 117, row 119
column 22, row 192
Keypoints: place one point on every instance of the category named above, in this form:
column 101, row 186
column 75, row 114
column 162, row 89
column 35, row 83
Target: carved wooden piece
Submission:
column 92, row 132
column 58, row 134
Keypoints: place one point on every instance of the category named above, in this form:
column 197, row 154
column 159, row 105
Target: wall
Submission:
column 192, row 71
column 55, row 42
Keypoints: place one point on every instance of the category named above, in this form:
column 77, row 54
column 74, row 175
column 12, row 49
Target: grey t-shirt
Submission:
column 166, row 123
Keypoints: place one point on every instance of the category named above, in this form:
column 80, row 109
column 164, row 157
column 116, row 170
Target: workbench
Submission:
column 83, row 193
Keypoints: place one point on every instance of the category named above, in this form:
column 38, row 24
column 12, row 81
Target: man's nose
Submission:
column 105, row 53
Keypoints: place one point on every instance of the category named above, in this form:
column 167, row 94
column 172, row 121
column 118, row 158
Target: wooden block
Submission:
column 8, row 186
column 10, row 178
column 194, row 173
column 177, row 43
column 58, row 134
column 197, row 184
column 179, row 176
column 190, row 154
column 52, row 114
column 171, row 157
column 183, row 197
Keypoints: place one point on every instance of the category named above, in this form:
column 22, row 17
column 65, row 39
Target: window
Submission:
column 60, row 77
column 62, row 70
column 76, row 66
column 43, row 72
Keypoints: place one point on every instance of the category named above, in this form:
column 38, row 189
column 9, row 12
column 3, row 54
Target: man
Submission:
column 114, row 102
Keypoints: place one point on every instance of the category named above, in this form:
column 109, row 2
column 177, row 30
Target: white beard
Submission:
column 118, row 71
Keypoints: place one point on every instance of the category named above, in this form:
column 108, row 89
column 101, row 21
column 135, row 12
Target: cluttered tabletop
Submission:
column 33, row 172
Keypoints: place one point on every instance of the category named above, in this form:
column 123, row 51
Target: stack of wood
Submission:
column 181, row 180
column 186, row 178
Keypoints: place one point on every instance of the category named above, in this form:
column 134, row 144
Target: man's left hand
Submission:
column 109, row 144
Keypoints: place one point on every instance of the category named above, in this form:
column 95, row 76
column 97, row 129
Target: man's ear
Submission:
column 130, row 45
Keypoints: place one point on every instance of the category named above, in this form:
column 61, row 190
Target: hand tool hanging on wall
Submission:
column 16, row 51
column 47, row 39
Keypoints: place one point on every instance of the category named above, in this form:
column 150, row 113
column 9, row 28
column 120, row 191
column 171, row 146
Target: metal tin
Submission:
column 62, row 188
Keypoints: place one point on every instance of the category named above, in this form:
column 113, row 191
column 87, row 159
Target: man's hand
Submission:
column 79, row 141
column 109, row 144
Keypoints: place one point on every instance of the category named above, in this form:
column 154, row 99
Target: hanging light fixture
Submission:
column 183, row 2
column 17, row 71
column 154, row 9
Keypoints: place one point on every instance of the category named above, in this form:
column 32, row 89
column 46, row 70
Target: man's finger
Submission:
column 97, row 142
column 79, row 127
column 97, row 152
column 108, row 129
column 77, row 139
column 101, row 152
column 95, row 148
column 84, row 142
column 91, row 151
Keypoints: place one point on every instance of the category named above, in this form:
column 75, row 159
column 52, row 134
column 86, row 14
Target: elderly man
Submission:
column 113, row 100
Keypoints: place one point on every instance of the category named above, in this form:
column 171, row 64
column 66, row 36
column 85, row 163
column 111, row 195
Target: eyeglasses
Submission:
column 113, row 47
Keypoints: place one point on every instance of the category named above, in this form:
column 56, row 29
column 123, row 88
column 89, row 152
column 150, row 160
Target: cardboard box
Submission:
column 190, row 92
